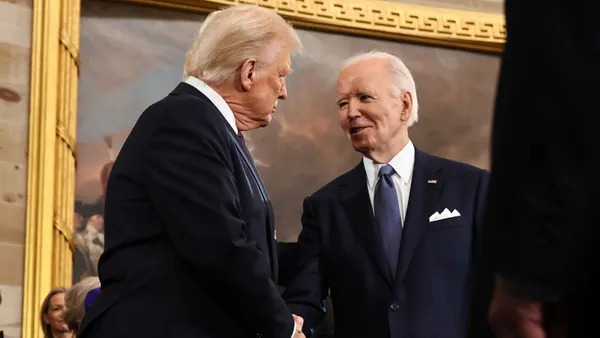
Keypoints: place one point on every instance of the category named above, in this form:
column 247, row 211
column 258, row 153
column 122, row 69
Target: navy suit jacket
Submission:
column 441, row 288
column 189, row 249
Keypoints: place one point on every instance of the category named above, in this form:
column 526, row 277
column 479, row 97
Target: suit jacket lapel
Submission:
column 250, row 162
column 187, row 89
column 354, row 196
column 243, row 151
column 423, row 198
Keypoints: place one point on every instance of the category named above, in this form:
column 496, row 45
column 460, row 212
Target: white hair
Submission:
column 402, row 80
column 75, row 300
column 230, row 36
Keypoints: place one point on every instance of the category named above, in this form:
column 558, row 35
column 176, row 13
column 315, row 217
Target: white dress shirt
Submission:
column 403, row 164
column 215, row 98
column 225, row 110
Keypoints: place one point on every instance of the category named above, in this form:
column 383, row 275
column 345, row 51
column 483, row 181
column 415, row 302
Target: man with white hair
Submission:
column 395, row 239
column 190, row 248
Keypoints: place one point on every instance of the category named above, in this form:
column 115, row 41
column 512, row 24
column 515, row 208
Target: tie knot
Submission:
column 386, row 170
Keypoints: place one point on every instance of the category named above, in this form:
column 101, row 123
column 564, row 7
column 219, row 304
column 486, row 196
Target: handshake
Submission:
column 299, row 322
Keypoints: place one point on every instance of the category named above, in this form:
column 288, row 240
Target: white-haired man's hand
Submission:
column 299, row 323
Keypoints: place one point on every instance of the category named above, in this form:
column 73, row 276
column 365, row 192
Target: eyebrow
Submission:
column 367, row 91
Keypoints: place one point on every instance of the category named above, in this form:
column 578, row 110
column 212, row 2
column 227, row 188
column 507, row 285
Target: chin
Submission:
column 361, row 147
column 265, row 122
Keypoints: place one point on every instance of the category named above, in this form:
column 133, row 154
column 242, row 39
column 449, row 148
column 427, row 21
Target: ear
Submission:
column 46, row 319
column 248, row 74
column 407, row 103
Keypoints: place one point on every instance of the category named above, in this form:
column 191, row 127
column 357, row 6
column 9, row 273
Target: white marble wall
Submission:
column 15, row 55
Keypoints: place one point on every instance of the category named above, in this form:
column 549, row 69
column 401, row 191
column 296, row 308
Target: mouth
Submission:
column 356, row 130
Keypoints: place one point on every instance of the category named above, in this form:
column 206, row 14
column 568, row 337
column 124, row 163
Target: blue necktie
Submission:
column 387, row 215
column 242, row 139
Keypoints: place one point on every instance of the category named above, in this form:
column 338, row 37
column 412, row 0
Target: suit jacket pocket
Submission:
column 446, row 224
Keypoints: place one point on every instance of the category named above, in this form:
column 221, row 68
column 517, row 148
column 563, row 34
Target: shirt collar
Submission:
column 215, row 98
column 403, row 163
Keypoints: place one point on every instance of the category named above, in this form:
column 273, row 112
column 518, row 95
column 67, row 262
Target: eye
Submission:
column 365, row 98
column 342, row 104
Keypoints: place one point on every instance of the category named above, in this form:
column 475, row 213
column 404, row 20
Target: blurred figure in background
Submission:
column 51, row 315
column 94, row 240
column 541, row 230
column 78, row 299
column 82, row 264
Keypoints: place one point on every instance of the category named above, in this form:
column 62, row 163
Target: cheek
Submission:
column 269, row 85
column 343, row 120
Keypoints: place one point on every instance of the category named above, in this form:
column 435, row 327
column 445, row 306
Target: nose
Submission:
column 353, row 111
column 283, row 91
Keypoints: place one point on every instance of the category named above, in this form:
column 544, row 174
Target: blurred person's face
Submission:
column 77, row 221
column 97, row 222
column 372, row 113
column 54, row 316
column 263, row 84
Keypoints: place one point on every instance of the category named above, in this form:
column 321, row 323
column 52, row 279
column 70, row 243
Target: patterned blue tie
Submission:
column 387, row 215
column 242, row 139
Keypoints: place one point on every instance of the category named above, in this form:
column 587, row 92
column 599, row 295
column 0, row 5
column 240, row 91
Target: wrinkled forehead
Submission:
column 354, row 79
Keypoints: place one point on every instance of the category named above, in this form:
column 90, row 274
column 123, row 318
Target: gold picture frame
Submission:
column 475, row 31
column 53, row 103
column 51, row 154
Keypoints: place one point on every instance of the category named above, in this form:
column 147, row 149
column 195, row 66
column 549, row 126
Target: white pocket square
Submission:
column 437, row 216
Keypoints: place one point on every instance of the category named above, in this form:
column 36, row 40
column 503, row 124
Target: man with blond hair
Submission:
column 190, row 249
column 395, row 239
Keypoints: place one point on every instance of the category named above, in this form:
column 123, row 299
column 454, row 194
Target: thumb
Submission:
column 299, row 322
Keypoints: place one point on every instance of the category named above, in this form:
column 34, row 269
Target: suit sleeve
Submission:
column 541, row 228
column 192, row 185
column 482, row 283
column 306, row 293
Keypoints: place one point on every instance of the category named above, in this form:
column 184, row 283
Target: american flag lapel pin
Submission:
column 431, row 181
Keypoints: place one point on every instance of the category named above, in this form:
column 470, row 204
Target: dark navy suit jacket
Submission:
column 441, row 289
column 190, row 250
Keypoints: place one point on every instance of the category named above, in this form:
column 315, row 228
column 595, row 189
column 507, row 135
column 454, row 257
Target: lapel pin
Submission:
column 432, row 181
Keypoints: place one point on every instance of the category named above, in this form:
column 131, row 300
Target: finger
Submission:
column 299, row 322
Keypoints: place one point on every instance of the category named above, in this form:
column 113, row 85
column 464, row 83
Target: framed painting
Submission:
column 131, row 54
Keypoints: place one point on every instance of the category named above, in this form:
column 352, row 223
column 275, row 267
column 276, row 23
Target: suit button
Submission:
column 394, row 307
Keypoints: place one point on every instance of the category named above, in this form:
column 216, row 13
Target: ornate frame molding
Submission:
column 375, row 18
column 51, row 161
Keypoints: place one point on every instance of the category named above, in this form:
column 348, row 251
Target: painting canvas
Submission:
column 131, row 56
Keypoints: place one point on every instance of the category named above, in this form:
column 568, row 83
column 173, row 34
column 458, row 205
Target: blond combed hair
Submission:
column 230, row 36
column 401, row 77
column 75, row 301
